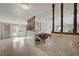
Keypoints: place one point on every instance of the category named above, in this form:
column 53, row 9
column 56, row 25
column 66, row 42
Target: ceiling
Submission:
column 13, row 12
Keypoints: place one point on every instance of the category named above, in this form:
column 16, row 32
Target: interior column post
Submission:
column 61, row 17
column 75, row 18
column 53, row 10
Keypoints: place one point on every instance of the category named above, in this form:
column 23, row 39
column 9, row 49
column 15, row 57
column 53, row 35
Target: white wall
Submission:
column 46, row 26
column 5, row 30
column 46, row 20
column 13, row 21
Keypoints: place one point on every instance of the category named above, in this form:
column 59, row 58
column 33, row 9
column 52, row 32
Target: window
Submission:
column 57, row 18
column 18, row 30
column 78, row 18
column 66, row 18
column 31, row 24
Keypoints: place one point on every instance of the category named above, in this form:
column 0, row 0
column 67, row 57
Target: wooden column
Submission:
column 75, row 18
column 61, row 17
column 53, row 8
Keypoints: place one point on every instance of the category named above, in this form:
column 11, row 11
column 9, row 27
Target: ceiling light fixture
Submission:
column 25, row 6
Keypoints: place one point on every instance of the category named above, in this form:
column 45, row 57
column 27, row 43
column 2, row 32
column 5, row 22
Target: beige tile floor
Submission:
column 24, row 46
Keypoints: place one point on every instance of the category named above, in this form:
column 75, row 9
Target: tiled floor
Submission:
column 22, row 46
